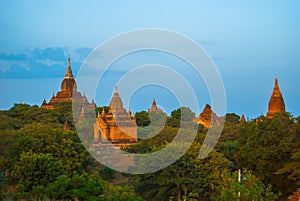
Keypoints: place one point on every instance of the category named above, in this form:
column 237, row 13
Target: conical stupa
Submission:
column 276, row 103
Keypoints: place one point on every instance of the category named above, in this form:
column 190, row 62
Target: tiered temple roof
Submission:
column 116, row 126
column 68, row 92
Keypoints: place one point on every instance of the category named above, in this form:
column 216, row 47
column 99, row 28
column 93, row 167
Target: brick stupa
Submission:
column 276, row 103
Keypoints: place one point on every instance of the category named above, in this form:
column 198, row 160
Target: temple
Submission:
column 154, row 108
column 116, row 126
column 67, row 93
column 207, row 117
column 276, row 103
column 243, row 119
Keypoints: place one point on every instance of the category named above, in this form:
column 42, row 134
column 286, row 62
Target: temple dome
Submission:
column 69, row 84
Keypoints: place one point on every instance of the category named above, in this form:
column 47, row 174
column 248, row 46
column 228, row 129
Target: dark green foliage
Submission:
column 187, row 178
column 264, row 146
column 100, row 109
column 7, row 122
column 142, row 118
column 232, row 118
column 107, row 173
column 2, row 184
column 61, row 144
column 32, row 138
column 183, row 114
column 36, row 169
column 173, row 122
column 250, row 188
column 42, row 160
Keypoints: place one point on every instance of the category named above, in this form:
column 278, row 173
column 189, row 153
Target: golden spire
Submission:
column 276, row 90
column 69, row 73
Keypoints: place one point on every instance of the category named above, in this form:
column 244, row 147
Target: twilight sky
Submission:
column 251, row 43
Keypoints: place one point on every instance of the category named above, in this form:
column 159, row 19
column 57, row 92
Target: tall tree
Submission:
column 248, row 188
column 264, row 146
column 37, row 169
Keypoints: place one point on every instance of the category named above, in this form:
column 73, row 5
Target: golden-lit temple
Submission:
column 276, row 103
column 207, row 117
column 68, row 92
column 115, row 126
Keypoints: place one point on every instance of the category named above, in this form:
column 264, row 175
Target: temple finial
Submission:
column 69, row 73
column 44, row 102
column 116, row 90
column 69, row 61
column 154, row 102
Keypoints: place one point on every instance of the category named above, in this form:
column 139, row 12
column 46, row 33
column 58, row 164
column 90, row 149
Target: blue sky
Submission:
column 251, row 43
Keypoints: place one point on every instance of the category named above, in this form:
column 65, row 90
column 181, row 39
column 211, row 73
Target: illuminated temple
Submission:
column 115, row 126
column 68, row 92
column 207, row 117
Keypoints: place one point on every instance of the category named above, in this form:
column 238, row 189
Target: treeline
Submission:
column 42, row 158
column 265, row 150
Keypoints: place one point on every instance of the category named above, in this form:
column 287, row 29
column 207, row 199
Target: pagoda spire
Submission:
column 69, row 73
column 116, row 90
column 243, row 119
column 154, row 102
column 276, row 90
column 276, row 103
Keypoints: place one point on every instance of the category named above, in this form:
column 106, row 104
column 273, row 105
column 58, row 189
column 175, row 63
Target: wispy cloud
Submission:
column 40, row 63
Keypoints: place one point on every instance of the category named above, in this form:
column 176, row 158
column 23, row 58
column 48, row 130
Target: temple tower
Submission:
column 276, row 103
column 68, row 92
column 154, row 108
column 207, row 117
column 116, row 126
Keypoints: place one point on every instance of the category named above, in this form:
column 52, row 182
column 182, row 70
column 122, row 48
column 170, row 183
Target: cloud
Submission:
column 41, row 63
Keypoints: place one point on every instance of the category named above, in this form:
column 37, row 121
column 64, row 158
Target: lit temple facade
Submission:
column 276, row 103
column 67, row 93
column 116, row 126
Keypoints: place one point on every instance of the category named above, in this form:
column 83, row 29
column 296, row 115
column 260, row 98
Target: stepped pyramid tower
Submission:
column 68, row 92
column 116, row 126
column 276, row 103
